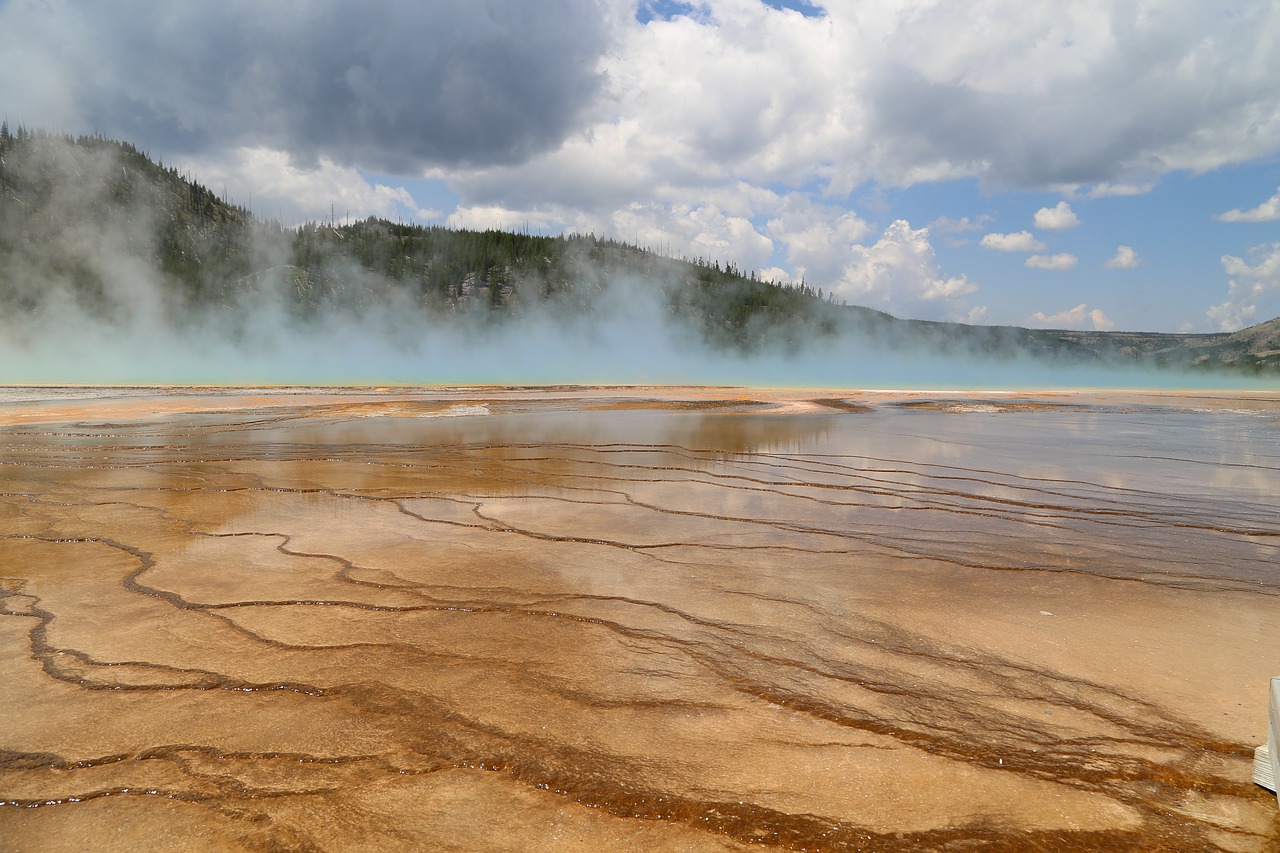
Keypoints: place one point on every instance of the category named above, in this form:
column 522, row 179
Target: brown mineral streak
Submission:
column 635, row 618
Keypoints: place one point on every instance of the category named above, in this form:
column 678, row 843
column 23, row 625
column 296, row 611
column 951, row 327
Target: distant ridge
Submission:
column 73, row 210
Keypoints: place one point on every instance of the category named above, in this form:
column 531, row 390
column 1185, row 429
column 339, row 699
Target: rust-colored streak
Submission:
column 659, row 619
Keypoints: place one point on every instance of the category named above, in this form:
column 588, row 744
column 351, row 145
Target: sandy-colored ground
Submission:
column 635, row 619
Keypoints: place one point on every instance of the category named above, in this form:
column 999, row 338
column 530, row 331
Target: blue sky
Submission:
column 1063, row 165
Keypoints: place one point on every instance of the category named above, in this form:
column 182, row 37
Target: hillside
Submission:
column 84, row 220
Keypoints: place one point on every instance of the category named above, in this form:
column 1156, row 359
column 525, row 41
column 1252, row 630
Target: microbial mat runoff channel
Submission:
column 635, row 619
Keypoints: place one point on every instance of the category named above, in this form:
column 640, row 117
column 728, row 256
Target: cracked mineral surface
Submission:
column 635, row 619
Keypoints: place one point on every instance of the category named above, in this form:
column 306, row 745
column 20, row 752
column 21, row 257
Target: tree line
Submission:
column 210, row 250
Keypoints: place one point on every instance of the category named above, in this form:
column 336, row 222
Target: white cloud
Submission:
column 900, row 91
column 1080, row 317
column 899, row 273
column 1268, row 211
column 777, row 275
column 1060, row 262
column 1022, row 241
column 480, row 217
column 1109, row 190
column 1077, row 93
column 1253, row 290
column 1056, row 218
column 1125, row 258
column 706, row 231
column 277, row 187
column 976, row 315
column 1104, row 189
column 716, row 94
column 819, row 239
column 947, row 225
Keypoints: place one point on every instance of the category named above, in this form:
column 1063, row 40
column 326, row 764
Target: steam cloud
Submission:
column 89, row 303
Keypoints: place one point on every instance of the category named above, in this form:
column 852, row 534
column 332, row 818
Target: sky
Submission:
column 1089, row 165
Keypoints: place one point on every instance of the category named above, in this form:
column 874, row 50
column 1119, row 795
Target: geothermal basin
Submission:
column 636, row 619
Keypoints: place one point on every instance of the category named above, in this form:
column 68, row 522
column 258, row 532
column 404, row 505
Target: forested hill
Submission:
column 82, row 220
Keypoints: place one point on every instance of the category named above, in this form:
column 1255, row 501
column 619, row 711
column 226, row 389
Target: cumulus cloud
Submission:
column 1079, row 317
column 1061, row 262
column 705, row 231
column 1268, row 211
column 899, row 92
column 900, row 274
column 394, row 86
column 481, row 217
column 1082, row 93
column 1253, row 291
column 820, row 239
column 1022, row 241
column 1056, row 218
column 1125, row 258
column 277, row 187
column 717, row 229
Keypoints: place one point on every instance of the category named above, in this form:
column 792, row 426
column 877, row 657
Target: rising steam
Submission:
column 86, row 301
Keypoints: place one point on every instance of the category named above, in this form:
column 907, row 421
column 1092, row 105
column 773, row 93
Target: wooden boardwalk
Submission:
column 1266, row 759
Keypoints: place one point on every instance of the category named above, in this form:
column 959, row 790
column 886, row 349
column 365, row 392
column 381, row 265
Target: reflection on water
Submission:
column 620, row 621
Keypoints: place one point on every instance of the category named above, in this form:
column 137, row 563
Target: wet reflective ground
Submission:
column 647, row 619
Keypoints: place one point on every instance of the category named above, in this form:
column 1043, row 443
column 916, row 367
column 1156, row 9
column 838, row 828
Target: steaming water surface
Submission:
column 659, row 619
